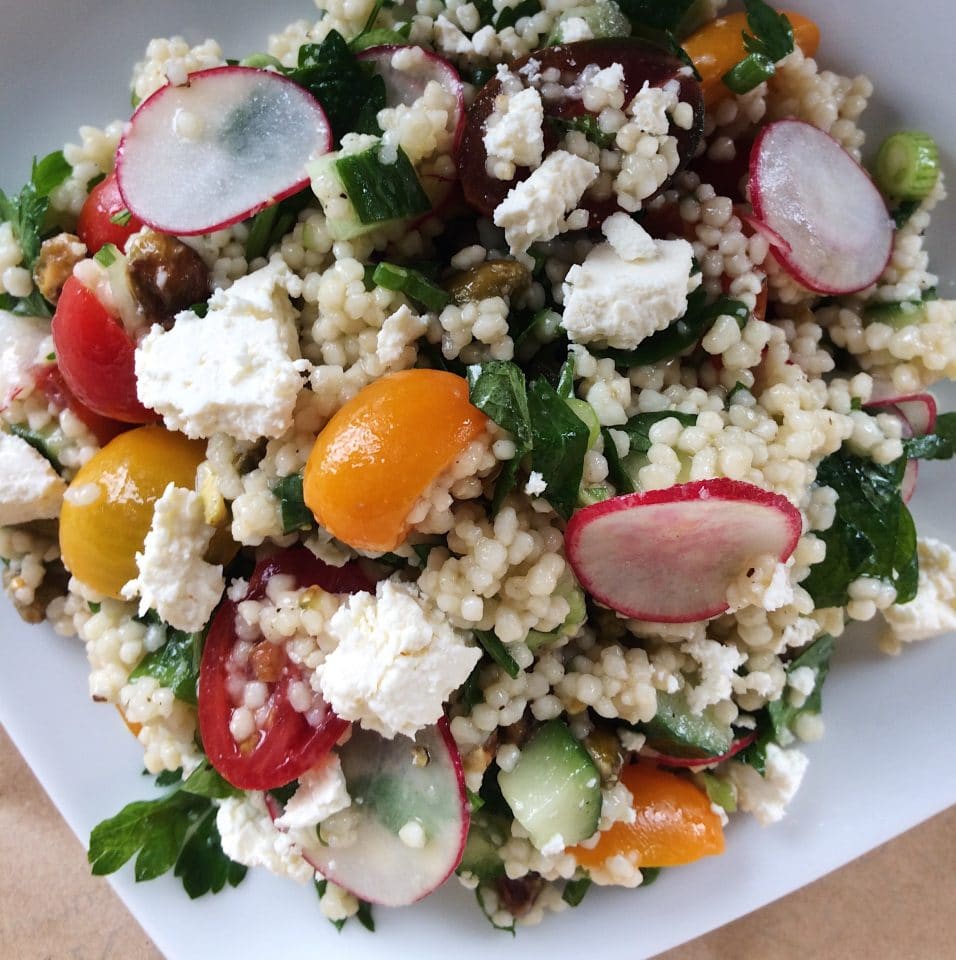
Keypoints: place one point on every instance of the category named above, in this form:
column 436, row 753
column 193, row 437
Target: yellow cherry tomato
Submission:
column 382, row 450
column 108, row 508
column 674, row 823
column 719, row 45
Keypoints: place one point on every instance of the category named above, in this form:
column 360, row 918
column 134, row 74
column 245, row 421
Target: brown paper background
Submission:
column 896, row 903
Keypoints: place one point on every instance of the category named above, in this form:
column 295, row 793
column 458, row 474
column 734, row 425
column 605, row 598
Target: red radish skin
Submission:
column 669, row 556
column 186, row 166
column 697, row 763
column 917, row 413
column 392, row 877
column 807, row 189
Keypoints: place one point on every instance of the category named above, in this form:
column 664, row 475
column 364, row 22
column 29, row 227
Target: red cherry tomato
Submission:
column 95, row 356
column 641, row 62
column 49, row 381
column 286, row 744
column 95, row 226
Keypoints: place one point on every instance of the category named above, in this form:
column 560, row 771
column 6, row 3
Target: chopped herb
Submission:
column 175, row 664
column 511, row 15
column 575, row 889
column 284, row 793
column 738, row 389
column 370, row 37
column 94, row 182
column 616, row 471
column 638, row 428
column 422, row 551
column 479, row 896
column 565, row 386
column 381, row 191
column 939, row 445
column 175, row 832
column 656, row 15
column 475, row 802
column 106, row 255
column 498, row 652
column 415, row 285
column 856, row 404
column 872, row 535
column 121, row 217
column 350, row 92
column 559, row 444
column 168, row 777
column 269, row 226
column 295, row 514
column 469, row 693
column 770, row 42
column 94, row 607
column 50, row 172
column 649, row 875
column 587, row 124
column 902, row 213
column 682, row 333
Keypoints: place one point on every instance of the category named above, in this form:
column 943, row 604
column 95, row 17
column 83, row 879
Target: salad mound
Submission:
column 460, row 438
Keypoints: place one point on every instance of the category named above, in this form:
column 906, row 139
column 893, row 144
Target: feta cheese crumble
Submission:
column 321, row 793
column 30, row 489
column 21, row 341
column 396, row 662
column 622, row 302
column 514, row 133
column 174, row 580
column 767, row 796
column 235, row 371
column 535, row 209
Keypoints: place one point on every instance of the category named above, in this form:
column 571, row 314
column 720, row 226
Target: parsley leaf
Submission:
column 656, row 15
column 350, row 92
column 770, row 42
column 509, row 16
column 295, row 514
column 498, row 652
column 575, row 889
column 175, row 664
column 269, row 226
column 49, row 173
column 176, row 832
column 939, row 445
column 638, row 428
column 872, row 535
column 587, row 124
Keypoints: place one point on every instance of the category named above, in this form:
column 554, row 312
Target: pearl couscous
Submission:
column 356, row 520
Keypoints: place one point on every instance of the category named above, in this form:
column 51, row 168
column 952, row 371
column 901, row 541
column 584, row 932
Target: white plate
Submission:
column 882, row 768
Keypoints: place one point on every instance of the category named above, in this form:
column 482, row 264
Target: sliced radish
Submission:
column 412, row 817
column 219, row 148
column 694, row 763
column 917, row 414
column 916, row 410
column 407, row 76
column 807, row 189
column 669, row 556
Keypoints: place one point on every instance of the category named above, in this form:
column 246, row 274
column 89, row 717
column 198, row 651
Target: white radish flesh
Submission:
column 407, row 71
column 229, row 142
column 669, row 556
column 836, row 233
column 413, row 817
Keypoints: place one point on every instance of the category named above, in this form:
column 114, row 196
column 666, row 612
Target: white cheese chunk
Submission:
column 933, row 610
column 174, row 580
column 628, row 238
column 400, row 329
column 514, row 133
column 321, row 793
column 30, row 489
column 536, row 207
column 397, row 660
column 620, row 302
column 249, row 836
column 767, row 796
column 21, row 341
column 236, row 371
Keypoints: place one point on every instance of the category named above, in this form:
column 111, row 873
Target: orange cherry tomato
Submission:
column 108, row 509
column 674, row 825
column 719, row 45
column 382, row 451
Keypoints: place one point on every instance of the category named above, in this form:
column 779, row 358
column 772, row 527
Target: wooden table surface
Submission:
column 895, row 903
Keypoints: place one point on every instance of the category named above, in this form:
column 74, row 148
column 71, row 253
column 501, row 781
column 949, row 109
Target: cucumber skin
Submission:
column 677, row 732
column 554, row 788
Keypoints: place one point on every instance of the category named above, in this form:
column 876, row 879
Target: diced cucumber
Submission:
column 585, row 412
column 895, row 315
column 678, row 732
column 605, row 20
column 577, row 614
column 486, row 835
column 554, row 790
column 48, row 442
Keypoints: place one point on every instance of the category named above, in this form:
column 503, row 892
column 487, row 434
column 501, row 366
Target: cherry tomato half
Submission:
column 286, row 744
column 95, row 356
column 641, row 62
column 103, row 218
